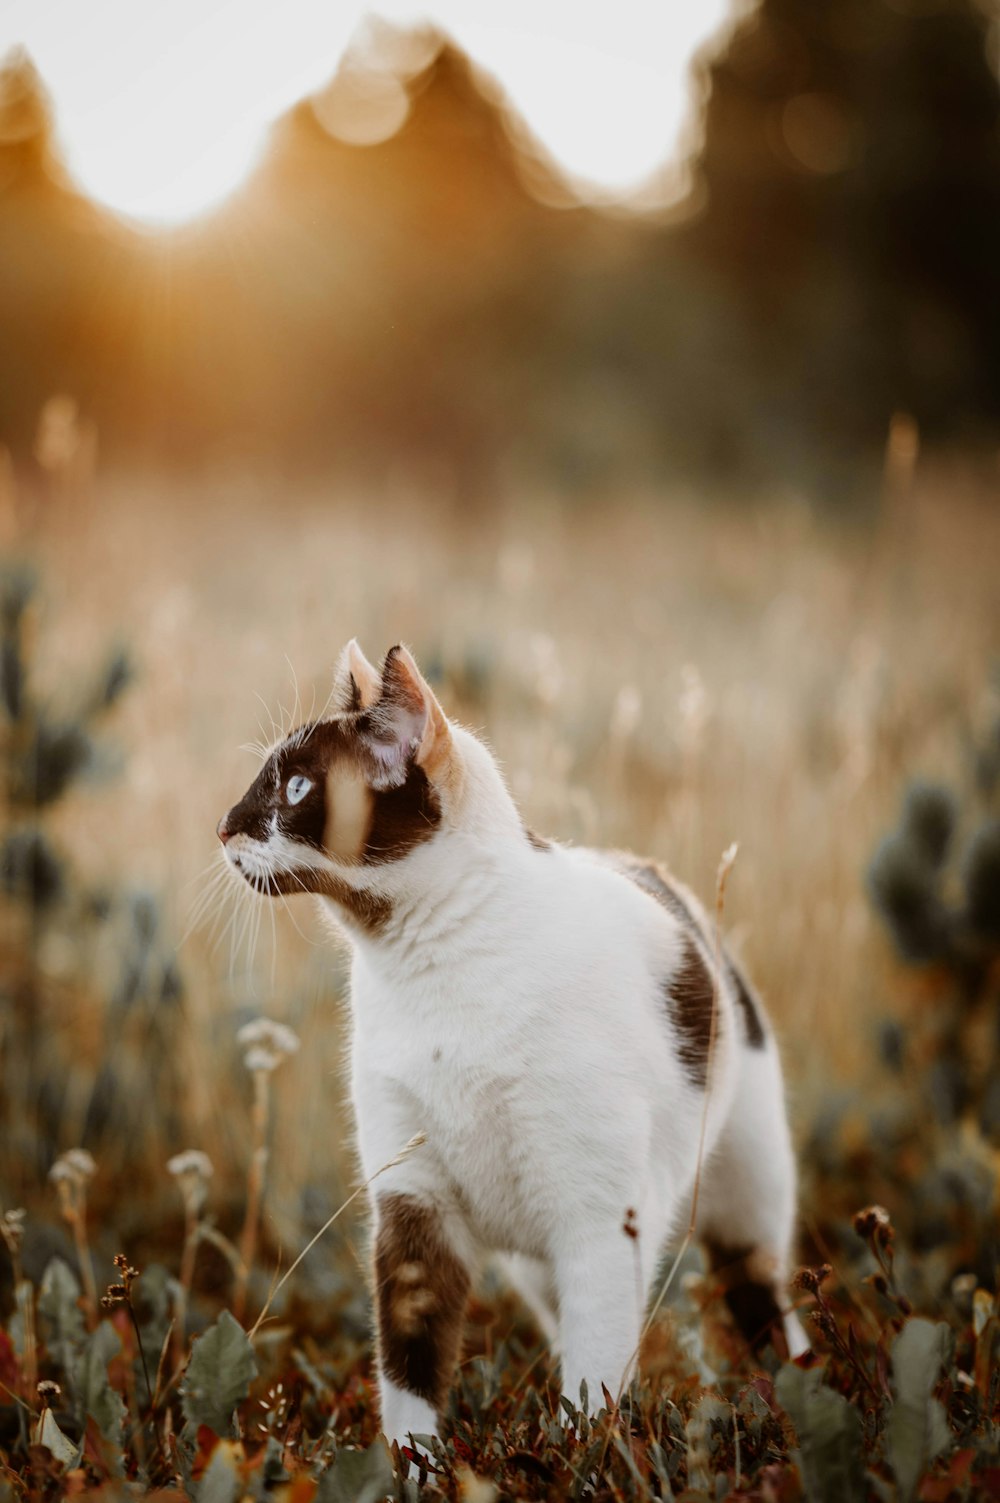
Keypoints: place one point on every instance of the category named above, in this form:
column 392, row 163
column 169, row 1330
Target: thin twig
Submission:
column 404, row 1153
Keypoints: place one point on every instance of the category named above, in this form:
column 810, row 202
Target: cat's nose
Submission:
column 221, row 830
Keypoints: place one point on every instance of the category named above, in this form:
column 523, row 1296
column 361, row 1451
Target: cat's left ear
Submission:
column 356, row 682
column 407, row 725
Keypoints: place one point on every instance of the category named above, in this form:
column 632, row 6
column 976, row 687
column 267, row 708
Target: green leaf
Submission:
column 220, row 1482
column 358, row 1476
column 917, row 1430
column 219, row 1375
column 95, row 1395
column 50, row 1436
column 829, row 1433
column 59, row 1308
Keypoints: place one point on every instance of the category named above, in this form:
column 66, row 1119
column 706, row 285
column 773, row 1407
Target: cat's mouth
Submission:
column 256, row 874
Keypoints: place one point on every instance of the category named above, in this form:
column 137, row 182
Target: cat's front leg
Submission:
column 602, row 1290
column 421, row 1287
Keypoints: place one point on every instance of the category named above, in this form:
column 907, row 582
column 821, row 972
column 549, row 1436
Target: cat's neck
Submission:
column 445, row 899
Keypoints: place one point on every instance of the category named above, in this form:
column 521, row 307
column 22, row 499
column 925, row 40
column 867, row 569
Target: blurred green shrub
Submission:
column 89, row 989
column 925, row 1141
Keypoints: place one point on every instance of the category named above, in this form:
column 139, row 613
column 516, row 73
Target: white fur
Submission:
column 513, row 1010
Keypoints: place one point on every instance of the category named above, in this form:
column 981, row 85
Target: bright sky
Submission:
column 163, row 105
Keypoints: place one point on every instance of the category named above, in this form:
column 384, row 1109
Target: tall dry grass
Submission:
column 657, row 672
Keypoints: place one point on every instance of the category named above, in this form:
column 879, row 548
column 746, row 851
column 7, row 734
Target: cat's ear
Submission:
column 407, row 725
column 356, row 682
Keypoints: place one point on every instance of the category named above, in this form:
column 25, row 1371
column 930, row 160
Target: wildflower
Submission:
column 266, row 1043
column 74, row 1167
column 871, row 1219
column 70, row 1174
column 192, row 1170
column 120, row 1294
column 811, row 1278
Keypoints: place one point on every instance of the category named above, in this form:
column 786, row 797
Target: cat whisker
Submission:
column 208, row 901
column 296, row 708
column 316, row 720
column 239, row 937
column 276, row 735
column 316, row 943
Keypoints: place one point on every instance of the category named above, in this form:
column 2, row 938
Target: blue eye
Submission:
column 296, row 788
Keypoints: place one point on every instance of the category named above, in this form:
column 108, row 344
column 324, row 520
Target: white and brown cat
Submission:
column 544, row 1015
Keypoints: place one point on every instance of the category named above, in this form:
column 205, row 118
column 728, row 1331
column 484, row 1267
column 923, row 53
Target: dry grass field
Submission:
column 653, row 671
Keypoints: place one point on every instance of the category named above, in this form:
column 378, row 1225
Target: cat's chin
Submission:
column 269, row 886
column 265, row 883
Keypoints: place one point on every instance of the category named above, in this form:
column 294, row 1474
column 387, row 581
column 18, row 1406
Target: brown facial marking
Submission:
column 538, row 841
column 420, row 1293
column 690, row 999
column 401, row 819
column 752, row 1300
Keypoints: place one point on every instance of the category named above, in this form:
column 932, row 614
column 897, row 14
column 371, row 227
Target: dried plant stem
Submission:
column 404, row 1153
column 142, row 1352
column 255, row 1187
column 75, row 1214
column 188, row 1255
column 25, row 1298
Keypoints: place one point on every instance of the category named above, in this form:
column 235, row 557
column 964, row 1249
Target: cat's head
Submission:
column 343, row 799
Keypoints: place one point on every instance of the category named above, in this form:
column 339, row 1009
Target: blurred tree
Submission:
column 418, row 290
column 851, row 174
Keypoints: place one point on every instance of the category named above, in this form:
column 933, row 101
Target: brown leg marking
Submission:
column 420, row 1293
column 751, row 1298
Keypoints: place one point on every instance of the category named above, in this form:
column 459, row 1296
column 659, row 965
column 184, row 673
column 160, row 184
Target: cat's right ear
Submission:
column 356, row 682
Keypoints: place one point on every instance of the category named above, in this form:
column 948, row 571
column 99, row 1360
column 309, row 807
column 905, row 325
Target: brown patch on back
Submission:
column 750, row 1296
column 753, row 1025
column 690, row 998
column 420, row 1293
column 654, row 880
column 538, row 841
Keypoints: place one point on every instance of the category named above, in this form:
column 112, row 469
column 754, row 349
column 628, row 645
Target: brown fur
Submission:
column 401, row 819
column 753, row 1024
column 653, row 879
column 749, row 1292
column 368, row 910
column 690, row 997
column 420, row 1293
